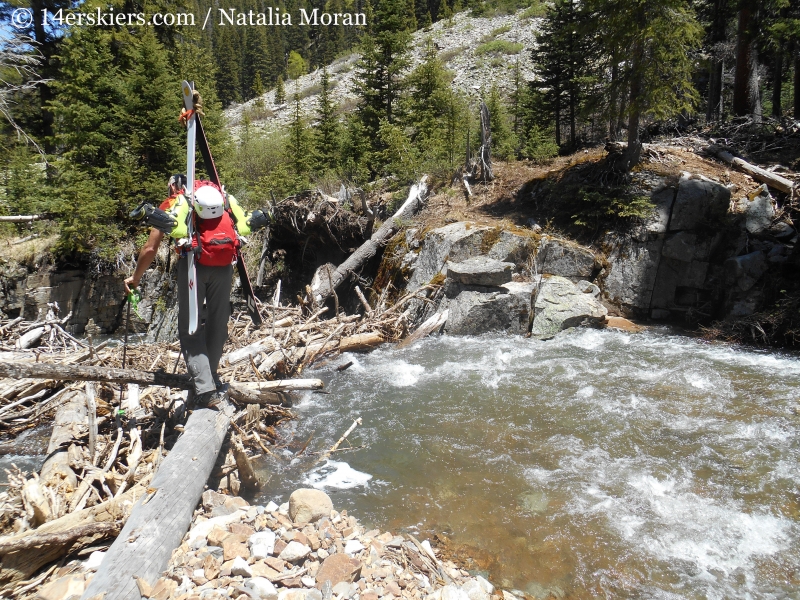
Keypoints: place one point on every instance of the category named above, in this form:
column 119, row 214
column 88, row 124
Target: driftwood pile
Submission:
column 46, row 333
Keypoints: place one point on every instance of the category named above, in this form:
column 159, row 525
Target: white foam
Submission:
column 403, row 374
column 670, row 524
column 336, row 475
column 585, row 392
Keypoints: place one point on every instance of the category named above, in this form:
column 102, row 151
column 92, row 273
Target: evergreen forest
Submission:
column 89, row 125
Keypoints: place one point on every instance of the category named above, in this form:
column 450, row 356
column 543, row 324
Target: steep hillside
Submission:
column 461, row 43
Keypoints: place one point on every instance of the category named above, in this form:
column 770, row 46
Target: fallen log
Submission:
column 247, row 396
column 288, row 385
column 771, row 179
column 160, row 519
column 327, row 285
column 70, row 425
column 62, row 372
column 81, row 373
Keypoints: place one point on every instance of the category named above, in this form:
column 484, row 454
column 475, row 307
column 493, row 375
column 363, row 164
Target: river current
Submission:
column 596, row 464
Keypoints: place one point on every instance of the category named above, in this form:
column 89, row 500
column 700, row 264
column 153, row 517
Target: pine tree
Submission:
column 228, row 57
column 300, row 146
column 258, row 87
column 280, row 91
column 504, row 141
column 379, row 81
column 657, row 37
column 558, row 57
column 328, row 130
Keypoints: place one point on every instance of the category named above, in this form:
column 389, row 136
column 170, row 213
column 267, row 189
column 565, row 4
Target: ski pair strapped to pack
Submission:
column 196, row 135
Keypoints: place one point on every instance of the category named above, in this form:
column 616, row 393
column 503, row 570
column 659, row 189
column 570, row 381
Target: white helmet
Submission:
column 208, row 202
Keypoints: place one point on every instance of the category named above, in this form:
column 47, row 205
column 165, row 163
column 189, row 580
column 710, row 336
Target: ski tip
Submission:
column 186, row 89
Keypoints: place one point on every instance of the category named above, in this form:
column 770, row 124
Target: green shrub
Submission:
column 499, row 47
column 611, row 204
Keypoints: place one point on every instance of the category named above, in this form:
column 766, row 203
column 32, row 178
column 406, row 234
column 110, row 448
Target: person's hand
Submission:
column 130, row 283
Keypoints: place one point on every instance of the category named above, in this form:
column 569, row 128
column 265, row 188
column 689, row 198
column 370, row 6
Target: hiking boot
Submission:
column 213, row 399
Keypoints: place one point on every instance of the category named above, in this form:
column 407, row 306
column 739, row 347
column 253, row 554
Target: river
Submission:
column 597, row 464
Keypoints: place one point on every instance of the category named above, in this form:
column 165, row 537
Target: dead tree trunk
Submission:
column 327, row 285
column 161, row 518
column 486, row 145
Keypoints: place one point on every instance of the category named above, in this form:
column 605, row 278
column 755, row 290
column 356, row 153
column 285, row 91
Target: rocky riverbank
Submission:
column 300, row 550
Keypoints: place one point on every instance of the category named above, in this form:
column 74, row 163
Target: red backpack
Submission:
column 217, row 238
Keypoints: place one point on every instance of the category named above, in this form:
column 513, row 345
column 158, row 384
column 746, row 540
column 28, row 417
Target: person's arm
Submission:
column 146, row 256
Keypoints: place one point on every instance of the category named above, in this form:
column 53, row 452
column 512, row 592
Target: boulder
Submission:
column 308, row 505
column 745, row 271
column 480, row 270
column 782, row 231
column 565, row 259
column 474, row 312
column 456, row 242
column 560, row 304
column 759, row 212
column 698, row 201
column 337, row 568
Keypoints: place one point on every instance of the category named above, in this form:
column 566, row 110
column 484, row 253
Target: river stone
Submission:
column 698, row 200
column 759, row 212
column 480, row 270
column 452, row 592
column 261, row 588
column 475, row 591
column 456, row 242
column 204, row 528
column 745, row 271
column 353, row 547
column 560, row 305
column 262, row 544
column 241, row 568
column 337, row 568
column 475, row 312
column 485, row 585
column 565, row 259
column 308, row 505
column 294, row 551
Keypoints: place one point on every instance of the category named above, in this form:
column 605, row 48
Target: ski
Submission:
column 191, row 136
column 244, row 277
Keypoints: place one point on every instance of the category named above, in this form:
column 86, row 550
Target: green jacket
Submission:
column 178, row 207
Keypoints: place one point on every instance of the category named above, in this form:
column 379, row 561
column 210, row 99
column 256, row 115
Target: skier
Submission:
column 218, row 222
